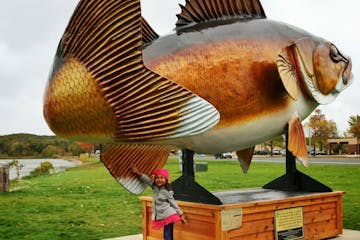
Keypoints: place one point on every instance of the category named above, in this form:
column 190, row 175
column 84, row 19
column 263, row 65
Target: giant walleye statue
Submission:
column 227, row 79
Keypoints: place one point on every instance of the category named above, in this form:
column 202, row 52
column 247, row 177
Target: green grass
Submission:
column 87, row 203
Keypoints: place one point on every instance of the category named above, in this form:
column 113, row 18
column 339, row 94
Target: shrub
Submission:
column 44, row 169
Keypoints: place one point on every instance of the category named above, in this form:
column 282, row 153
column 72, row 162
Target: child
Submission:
column 165, row 210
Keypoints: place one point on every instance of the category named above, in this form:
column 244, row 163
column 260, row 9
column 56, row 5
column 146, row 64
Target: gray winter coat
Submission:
column 164, row 203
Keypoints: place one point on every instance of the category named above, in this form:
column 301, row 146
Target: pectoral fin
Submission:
column 289, row 63
column 245, row 157
column 296, row 142
column 118, row 158
column 288, row 74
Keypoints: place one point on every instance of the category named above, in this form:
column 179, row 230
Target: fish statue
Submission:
column 227, row 78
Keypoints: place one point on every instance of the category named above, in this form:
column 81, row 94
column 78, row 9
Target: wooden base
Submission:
column 250, row 214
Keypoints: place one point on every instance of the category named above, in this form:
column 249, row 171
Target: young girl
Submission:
column 165, row 210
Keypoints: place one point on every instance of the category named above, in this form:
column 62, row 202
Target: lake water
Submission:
column 30, row 164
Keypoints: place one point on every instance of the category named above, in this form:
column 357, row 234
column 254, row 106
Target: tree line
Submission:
column 323, row 129
column 30, row 145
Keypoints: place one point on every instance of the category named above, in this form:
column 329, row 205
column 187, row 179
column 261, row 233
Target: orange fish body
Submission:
column 234, row 67
column 236, row 71
column 225, row 80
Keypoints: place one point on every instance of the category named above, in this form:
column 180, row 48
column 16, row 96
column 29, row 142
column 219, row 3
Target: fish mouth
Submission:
column 346, row 78
column 347, row 75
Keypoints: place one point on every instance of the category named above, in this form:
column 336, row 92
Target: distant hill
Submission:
column 26, row 136
column 31, row 145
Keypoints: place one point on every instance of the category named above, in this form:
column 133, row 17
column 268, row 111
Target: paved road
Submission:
column 332, row 160
column 314, row 160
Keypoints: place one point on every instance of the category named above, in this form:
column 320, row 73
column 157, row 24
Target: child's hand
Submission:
column 135, row 170
column 183, row 219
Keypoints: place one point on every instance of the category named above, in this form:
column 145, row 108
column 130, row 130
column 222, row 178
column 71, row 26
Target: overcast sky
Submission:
column 31, row 29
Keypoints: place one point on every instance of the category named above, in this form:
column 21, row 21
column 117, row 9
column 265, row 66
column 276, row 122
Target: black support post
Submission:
column 185, row 187
column 294, row 180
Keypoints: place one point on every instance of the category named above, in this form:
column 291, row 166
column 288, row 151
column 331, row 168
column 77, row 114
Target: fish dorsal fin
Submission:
column 297, row 142
column 196, row 11
column 148, row 33
column 245, row 157
column 105, row 38
column 118, row 158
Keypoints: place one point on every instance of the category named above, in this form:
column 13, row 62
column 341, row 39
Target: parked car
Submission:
column 262, row 152
column 223, row 155
column 317, row 152
column 277, row 152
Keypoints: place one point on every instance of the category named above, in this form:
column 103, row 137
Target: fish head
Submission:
column 315, row 67
column 325, row 71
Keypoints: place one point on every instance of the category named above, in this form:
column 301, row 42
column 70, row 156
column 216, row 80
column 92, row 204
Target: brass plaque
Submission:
column 231, row 219
column 289, row 223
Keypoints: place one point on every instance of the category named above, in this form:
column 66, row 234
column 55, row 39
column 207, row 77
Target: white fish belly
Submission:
column 243, row 135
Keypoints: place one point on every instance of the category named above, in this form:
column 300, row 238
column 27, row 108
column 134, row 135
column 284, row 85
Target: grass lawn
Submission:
column 87, row 203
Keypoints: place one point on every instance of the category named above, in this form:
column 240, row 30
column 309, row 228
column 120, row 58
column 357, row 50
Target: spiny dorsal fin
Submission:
column 148, row 33
column 196, row 11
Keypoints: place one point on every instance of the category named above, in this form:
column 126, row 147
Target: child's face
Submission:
column 160, row 180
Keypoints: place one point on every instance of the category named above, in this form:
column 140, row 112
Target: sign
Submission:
column 289, row 223
column 231, row 219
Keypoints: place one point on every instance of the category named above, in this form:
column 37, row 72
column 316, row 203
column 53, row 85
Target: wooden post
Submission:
column 4, row 178
column 145, row 220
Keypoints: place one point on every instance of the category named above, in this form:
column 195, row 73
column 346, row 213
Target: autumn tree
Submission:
column 53, row 151
column 86, row 147
column 354, row 126
column 322, row 129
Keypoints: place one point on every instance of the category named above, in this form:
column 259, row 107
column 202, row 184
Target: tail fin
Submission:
column 104, row 40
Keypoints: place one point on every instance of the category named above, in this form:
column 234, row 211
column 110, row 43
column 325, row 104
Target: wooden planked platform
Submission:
column 252, row 215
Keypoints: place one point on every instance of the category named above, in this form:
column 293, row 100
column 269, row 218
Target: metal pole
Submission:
column 188, row 163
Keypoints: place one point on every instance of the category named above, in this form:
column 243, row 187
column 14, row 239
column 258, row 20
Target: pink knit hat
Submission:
column 162, row 172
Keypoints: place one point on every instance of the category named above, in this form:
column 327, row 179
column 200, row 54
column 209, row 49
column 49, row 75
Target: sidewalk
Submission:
column 347, row 235
column 132, row 237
